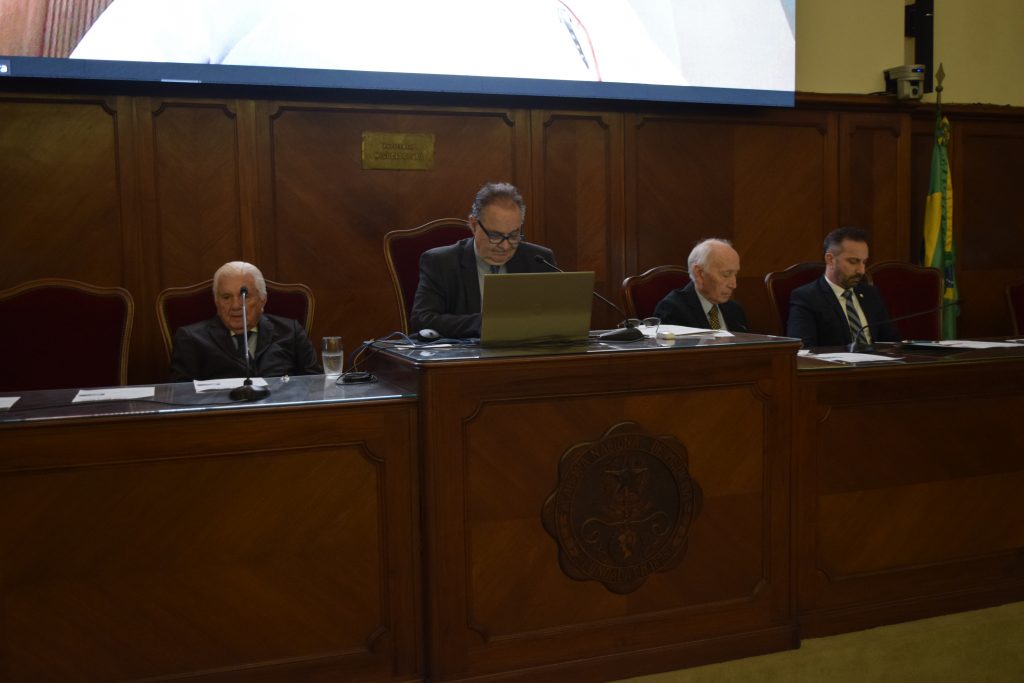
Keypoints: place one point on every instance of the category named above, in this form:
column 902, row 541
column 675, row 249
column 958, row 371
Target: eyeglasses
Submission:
column 497, row 238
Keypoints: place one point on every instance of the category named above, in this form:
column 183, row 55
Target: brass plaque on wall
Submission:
column 398, row 151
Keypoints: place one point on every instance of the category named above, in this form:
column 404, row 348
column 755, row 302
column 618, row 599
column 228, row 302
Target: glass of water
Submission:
column 333, row 356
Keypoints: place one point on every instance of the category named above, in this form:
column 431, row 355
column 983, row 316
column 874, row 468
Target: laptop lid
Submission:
column 531, row 308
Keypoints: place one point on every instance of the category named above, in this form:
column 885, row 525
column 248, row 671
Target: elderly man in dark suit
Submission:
column 839, row 307
column 706, row 302
column 448, row 295
column 213, row 349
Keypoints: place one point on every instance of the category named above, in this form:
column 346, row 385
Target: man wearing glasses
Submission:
column 451, row 278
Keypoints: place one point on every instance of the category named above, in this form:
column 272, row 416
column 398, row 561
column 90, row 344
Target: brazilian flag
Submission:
column 938, row 225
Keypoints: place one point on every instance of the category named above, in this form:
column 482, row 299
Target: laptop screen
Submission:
column 532, row 308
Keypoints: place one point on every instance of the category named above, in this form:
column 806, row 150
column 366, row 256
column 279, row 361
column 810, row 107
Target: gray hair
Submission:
column 702, row 251
column 496, row 192
column 241, row 268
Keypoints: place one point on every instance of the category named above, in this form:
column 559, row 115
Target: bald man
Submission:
column 706, row 302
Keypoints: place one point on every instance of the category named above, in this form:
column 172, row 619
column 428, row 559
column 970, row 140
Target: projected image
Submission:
column 732, row 44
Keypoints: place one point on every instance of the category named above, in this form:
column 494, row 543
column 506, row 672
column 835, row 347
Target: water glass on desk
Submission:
column 333, row 356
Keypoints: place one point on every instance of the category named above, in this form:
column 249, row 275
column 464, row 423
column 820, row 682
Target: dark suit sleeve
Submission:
column 185, row 356
column 802, row 320
column 437, row 300
column 735, row 317
column 306, row 362
column 668, row 310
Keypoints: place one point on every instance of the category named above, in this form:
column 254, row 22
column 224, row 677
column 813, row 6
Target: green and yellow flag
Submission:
column 938, row 224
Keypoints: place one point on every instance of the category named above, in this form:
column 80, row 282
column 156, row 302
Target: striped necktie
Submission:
column 851, row 315
column 713, row 319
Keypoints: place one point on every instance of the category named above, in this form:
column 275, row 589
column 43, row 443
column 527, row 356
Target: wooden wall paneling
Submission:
column 578, row 162
column 762, row 182
column 191, row 218
column 330, row 215
column 59, row 176
column 874, row 180
column 988, row 225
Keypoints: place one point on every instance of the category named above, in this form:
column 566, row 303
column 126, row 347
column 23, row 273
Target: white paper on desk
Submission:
column 854, row 358
column 669, row 331
column 968, row 344
column 116, row 394
column 229, row 383
column 8, row 401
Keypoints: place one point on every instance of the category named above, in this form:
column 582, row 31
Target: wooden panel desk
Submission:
column 274, row 541
column 910, row 487
column 603, row 511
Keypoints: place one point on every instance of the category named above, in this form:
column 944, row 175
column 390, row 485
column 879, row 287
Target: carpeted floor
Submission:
column 981, row 646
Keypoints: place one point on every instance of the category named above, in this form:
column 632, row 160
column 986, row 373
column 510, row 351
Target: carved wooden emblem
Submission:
column 622, row 508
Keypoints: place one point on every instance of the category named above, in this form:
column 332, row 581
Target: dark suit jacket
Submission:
column 682, row 307
column 448, row 294
column 817, row 317
column 205, row 350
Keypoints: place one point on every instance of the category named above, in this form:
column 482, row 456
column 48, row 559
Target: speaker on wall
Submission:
column 919, row 24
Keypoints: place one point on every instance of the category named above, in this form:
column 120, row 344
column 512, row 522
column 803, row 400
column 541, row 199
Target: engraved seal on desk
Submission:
column 623, row 507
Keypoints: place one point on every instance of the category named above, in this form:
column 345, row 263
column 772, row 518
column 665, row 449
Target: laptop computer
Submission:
column 533, row 308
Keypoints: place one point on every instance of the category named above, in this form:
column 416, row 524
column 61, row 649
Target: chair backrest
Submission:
column 1015, row 299
column 643, row 292
column 782, row 283
column 402, row 249
column 907, row 289
column 64, row 333
column 178, row 306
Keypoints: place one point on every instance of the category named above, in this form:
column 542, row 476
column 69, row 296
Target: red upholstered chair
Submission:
column 907, row 288
column 643, row 292
column 402, row 249
column 1015, row 299
column 64, row 333
column 178, row 306
column 782, row 283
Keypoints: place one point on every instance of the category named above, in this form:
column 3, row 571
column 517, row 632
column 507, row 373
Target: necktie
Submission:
column 716, row 323
column 851, row 315
column 495, row 270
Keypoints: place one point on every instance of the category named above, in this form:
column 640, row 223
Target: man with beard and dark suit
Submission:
column 839, row 306
column 706, row 301
column 212, row 349
column 451, row 278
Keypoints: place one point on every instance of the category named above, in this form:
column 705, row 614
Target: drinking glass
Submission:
column 333, row 356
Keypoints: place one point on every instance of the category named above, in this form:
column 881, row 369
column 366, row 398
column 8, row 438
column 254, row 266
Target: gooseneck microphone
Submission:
column 247, row 392
column 627, row 333
column 859, row 345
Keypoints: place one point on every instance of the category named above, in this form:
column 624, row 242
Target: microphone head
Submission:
column 244, row 291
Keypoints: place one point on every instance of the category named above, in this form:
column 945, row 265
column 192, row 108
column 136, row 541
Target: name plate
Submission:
column 398, row 151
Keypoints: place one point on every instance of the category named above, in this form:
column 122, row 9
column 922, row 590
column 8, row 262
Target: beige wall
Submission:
column 843, row 47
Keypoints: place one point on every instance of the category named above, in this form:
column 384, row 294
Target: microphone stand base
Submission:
column 861, row 348
column 622, row 334
column 247, row 392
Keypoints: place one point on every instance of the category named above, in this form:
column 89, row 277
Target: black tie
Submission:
column 495, row 270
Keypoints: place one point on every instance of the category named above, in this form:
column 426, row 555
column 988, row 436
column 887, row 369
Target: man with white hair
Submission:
column 213, row 349
column 706, row 302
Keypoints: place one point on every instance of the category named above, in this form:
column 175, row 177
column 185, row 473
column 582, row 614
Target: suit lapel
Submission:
column 693, row 303
column 221, row 336
column 468, row 275
column 264, row 335
column 832, row 303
